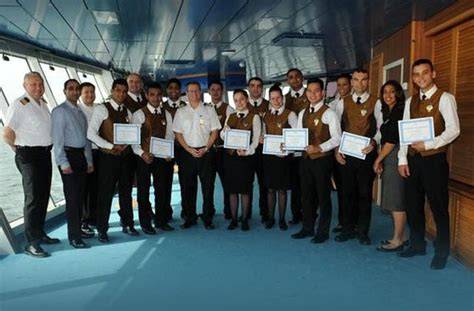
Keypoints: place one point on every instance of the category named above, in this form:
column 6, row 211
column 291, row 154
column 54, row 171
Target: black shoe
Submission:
column 47, row 240
column 87, row 235
column 233, row 224
column 319, row 238
column 149, row 230
column 87, row 229
column 270, row 223
column 245, row 225
column 438, row 262
column 78, row 243
column 345, row 236
column 166, row 227
column 410, row 252
column 188, row 224
column 130, row 230
column 36, row 251
column 103, row 237
column 209, row 226
column 294, row 221
column 302, row 234
column 382, row 248
column 364, row 239
column 337, row 229
column 283, row 225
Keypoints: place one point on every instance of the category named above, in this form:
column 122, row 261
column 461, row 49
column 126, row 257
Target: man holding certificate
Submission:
column 316, row 166
column 423, row 164
column 110, row 129
column 241, row 134
column 196, row 127
column 154, row 159
column 361, row 118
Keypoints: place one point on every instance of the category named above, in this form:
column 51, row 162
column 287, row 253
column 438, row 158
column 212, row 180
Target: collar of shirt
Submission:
column 300, row 92
column 72, row 106
column 363, row 97
column 152, row 108
column 173, row 104
column 115, row 105
column 245, row 112
column 198, row 108
column 40, row 102
column 317, row 105
column 279, row 110
column 135, row 97
column 217, row 106
column 259, row 101
column 430, row 92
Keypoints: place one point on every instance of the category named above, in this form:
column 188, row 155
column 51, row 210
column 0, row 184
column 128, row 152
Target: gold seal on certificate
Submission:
column 162, row 148
column 126, row 134
column 237, row 139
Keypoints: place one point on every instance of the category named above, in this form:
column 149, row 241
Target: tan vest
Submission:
column 133, row 105
column 428, row 108
column 173, row 110
column 296, row 104
column 317, row 130
column 245, row 123
column 106, row 130
column 260, row 110
column 359, row 119
column 222, row 115
column 274, row 124
column 154, row 126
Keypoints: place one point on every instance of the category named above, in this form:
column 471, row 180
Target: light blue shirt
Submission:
column 69, row 129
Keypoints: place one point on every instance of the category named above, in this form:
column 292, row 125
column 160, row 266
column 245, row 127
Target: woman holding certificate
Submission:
column 276, row 163
column 241, row 135
column 386, row 164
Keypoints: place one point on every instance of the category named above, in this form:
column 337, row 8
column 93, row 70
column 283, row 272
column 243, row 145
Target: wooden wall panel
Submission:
column 464, row 235
column 442, row 57
column 375, row 73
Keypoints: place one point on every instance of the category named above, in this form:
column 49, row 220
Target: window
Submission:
column 55, row 77
column 230, row 98
column 206, row 97
column 89, row 77
column 12, row 72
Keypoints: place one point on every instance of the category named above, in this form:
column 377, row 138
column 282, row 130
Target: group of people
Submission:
column 93, row 168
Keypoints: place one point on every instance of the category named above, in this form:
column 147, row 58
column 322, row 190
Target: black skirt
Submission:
column 276, row 172
column 239, row 173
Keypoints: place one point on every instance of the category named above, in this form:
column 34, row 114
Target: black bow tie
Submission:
column 358, row 100
column 274, row 112
column 297, row 94
column 255, row 104
column 241, row 115
column 423, row 97
column 156, row 111
column 120, row 108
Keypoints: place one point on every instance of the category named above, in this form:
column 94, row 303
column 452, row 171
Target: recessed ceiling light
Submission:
column 106, row 17
column 228, row 52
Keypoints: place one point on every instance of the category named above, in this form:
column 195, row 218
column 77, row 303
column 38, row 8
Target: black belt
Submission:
column 35, row 148
column 74, row 149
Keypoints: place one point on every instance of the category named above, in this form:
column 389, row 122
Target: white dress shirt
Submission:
column 88, row 110
column 100, row 114
column 136, row 97
column 448, row 109
column 31, row 122
column 138, row 117
column 196, row 124
column 330, row 118
column 256, row 129
column 300, row 92
column 253, row 101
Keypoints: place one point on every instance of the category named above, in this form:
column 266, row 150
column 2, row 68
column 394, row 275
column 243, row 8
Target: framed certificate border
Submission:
column 265, row 151
column 162, row 141
column 401, row 123
column 289, row 147
column 137, row 139
column 352, row 154
column 242, row 132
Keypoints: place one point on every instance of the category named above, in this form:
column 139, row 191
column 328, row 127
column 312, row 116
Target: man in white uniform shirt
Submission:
column 196, row 127
column 28, row 132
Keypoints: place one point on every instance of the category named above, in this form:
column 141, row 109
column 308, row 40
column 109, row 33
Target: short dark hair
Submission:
column 241, row 91
column 344, row 76
column 317, row 81
column 193, row 83
column 294, row 69
column 361, row 70
column 153, row 85
column 276, row 88
column 173, row 80
column 255, row 79
column 86, row 84
column 215, row 82
column 69, row 81
column 422, row 61
column 119, row 82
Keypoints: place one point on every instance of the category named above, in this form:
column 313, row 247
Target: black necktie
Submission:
column 241, row 115
column 358, row 100
column 423, row 97
column 275, row 112
column 156, row 111
column 255, row 104
column 120, row 109
column 311, row 110
column 297, row 94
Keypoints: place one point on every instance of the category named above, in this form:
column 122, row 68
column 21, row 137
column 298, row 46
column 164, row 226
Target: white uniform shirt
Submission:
column 136, row 98
column 448, row 109
column 256, row 128
column 30, row 121
column 88, row 110
column 196, row 124
column 138, row 117
column 330, row 118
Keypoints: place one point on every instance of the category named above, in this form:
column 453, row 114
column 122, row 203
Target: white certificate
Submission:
column 126, row 134
column 237, row 139
column 415, row 130
column 162, row 148
column 352, row 145
column 295, row 139
column 272, row 145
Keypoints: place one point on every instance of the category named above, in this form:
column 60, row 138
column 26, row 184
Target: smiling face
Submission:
column 343, row 87
column 314, row 93
column 423, row 76
column 276, row 99
column 389, row 96
column 134, row 83
column 72, row 91
column 255, row 89
column 173, row 91
column 295, row 80
column 154, row 96
column 360, row 82
column 240, row 101
column 34, row 86
column 194, row 93
column 88, row 95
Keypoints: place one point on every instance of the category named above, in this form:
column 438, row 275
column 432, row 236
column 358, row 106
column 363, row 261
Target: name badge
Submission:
column 163, row 122
column 363, row 112
column 429, row 108
column 316, row 122
column 279, row 125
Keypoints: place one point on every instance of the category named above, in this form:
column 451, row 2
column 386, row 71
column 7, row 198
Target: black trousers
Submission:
column 178, row 151
column 316, row 192
column 115, row 170
column 262, row 190
column 357, row 182
column 220, row 171
column 74, row 186
column 296, row 203
column 89, row 212
column 428, row 176
column 162, row 172
column 337, row 175
column 192, row 168
column 34, row 164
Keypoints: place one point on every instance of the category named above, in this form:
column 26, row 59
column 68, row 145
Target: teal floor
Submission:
column 230, row 270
